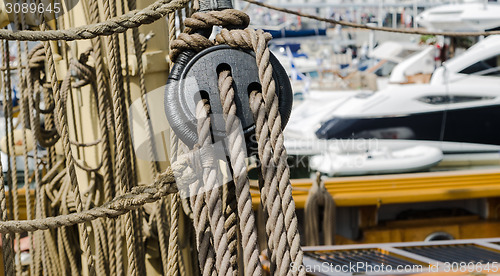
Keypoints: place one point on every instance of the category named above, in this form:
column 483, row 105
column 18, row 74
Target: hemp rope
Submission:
column 8, row 239
column 257, row 41
column 122, row 147
column 362, row 26
column 171, row 258
column 138, row 196
column 213, row 200
column 114, row 25
column 20, row 86
column 139, row 49
column 270, row 198
column 242, row 192
column 231, row 224
column 319, row 196
column 14, row 189
column 62, row 119
column 25, row 122
column 204, row 234
column 104, row 123
column 280, row 241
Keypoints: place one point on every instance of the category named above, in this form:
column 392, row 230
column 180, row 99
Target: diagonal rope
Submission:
column 114, row 25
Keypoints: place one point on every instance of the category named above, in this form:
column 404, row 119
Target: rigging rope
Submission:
column 217, row 212
column 373, row 28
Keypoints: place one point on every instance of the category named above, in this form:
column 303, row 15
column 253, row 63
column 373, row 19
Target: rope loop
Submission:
column 230, row 18
column 190, row 40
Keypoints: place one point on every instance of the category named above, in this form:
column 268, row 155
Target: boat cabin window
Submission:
column 485, row 67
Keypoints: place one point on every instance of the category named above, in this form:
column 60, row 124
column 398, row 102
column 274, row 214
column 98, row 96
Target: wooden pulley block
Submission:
column 195, row 76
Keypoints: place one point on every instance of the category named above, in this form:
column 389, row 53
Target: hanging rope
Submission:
column 219, row 212
column 138, row 196
column 242, row 192
column 282, row 226
column 319, row 197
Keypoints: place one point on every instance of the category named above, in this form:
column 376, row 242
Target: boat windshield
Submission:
column 485, row 67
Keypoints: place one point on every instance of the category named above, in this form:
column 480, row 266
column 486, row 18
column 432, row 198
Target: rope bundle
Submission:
column 276, row 196
column 223, row 224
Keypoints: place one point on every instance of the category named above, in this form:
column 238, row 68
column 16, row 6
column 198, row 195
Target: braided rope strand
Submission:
column 237, row 158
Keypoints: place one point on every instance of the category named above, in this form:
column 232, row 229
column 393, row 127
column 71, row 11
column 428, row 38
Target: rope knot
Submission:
column 229, row 18
column 189, row 40
column 247, row 38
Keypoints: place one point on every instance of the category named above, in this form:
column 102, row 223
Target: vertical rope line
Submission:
column 103, row 109
column 237, row 148
column 46, row 264
column 139, row 51
column 270, row 100
column 7, row 239
column 63, row 256
column 62, row 119
column 137, row 215
column 128, row 90
column 33, row 122
column 270, row 198
column 6, row 90
column 123, row 149
column 231, row 225
column 14, row 189
column 203, row 231
column 25, row 118
column 173, row 260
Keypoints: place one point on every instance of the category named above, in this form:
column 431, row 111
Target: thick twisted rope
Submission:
column 213, row 199
column 319, row 196
column 237, row 157
column 25, row 122
column 62, row 119
column 270, row 198
column 373, row 28
column 138, row 196
column 114, row 25
column 275, row 226
column 204, row 232
column 173, row 260
column 104, row 124
column 8, row 239
column 231, row 225
column 188, row 40
column 282, row 227
column 257, row 41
